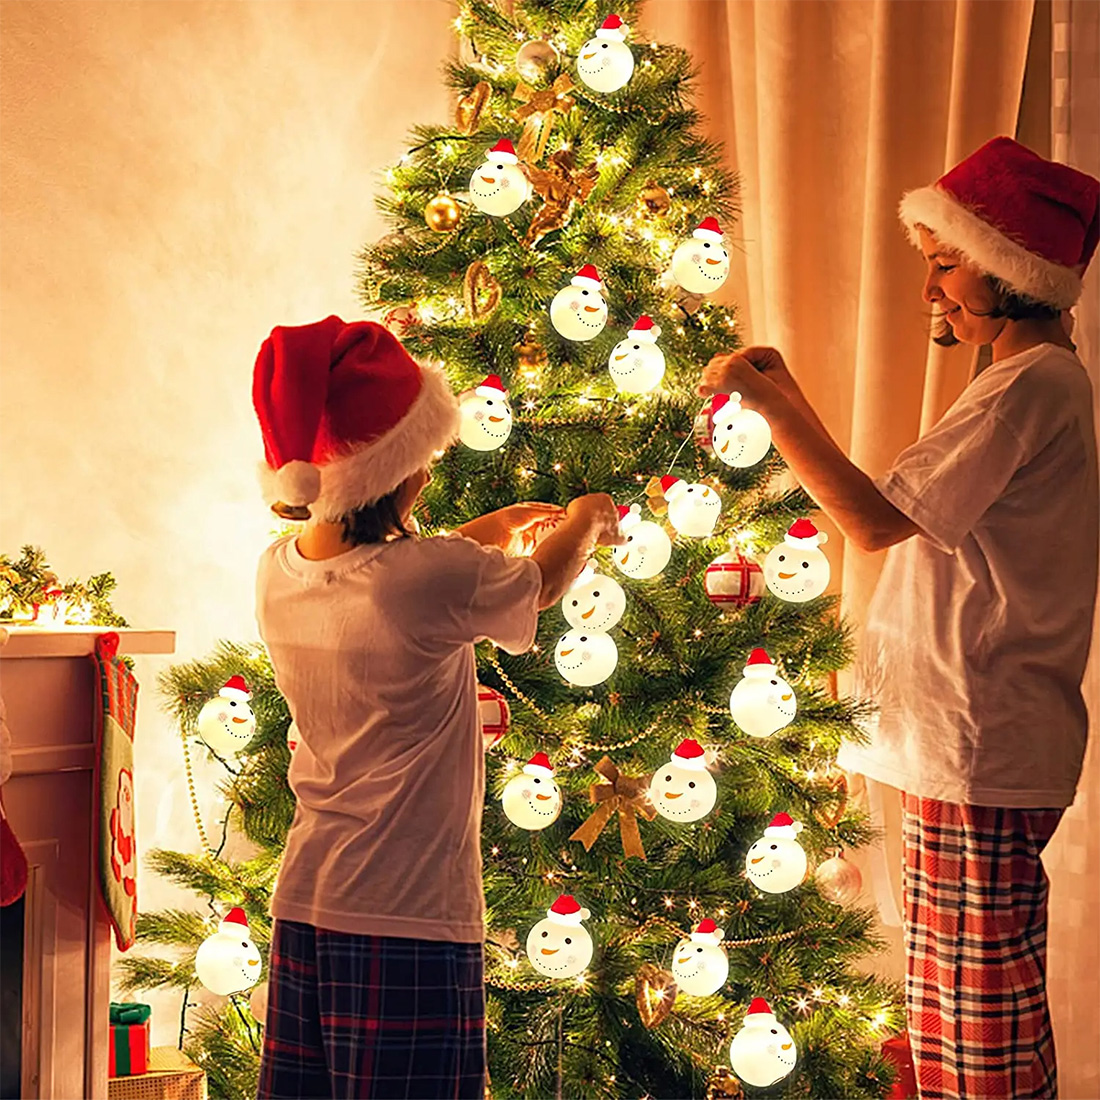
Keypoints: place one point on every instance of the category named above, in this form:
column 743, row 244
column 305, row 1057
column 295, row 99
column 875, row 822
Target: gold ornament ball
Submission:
column 535, row 59
column 442, row 214
column 838, row 880
column 724, row 1085
column 654, row 199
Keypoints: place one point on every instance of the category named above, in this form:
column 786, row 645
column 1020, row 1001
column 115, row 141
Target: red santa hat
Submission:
column 724, row 406
column 612, row 28
column 629, row 517
column 566, row 910
column 689, row 754
column 759, row 1014
column 673, row 487
column 1031, row 222
column 706, row 931
column 784, row 826
column 588, row 278
column 504, row 151
column 235, row 923
column 803, row 535
column 492, row 387
column 645, row 330
column 759, row 666
column 708, row 230
column 346, row 415
column 236, row 688
column 539, row 765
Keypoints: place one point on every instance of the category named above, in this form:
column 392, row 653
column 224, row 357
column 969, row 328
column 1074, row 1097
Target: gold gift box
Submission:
column 172, row 1076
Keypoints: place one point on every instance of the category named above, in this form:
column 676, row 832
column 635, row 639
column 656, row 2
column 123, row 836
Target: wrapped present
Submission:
column 896, row 1051
column 129, row 1040
column 171, row 1076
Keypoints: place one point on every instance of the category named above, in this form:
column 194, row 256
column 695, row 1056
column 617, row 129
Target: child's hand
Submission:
column 599, row 512
column 526, row 525
column 751, row 373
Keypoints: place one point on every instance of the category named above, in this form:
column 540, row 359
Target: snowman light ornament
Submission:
column 560, row 946
column 777, row 863
column 700, row 964
column 228, row 961
column 593, row 602
column 226, row 723
column 636, row 364
column 740, row 437
column 578, row 311
column 647, row 549
column 796, row 569
column 762, row 1052
column 762, row 703
column 586, row 657
column 605, row 62
column 683, row 790
column 702, row 264
column 499, row 187
column 486, row 416
column 533, row 800
column 693, row 509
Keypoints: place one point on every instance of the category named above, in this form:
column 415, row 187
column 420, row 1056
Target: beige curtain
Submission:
column 830, row 110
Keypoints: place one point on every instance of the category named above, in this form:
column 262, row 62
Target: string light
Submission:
column 843, row 1000
column 496, row 850
column 668, row 903
column 802, row 1004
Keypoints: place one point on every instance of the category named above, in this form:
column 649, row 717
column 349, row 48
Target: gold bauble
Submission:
column 654, row 199
column 535, row 59
column 654, row 993
column 530, row 354
column 724, row 1085
column 838, row 880
column 442, row 214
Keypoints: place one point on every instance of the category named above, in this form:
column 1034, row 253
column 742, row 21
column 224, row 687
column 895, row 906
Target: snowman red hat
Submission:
column 785, row 827
column 588, row 278
column 673, row 487
column 645, row 330
column 539, row 765
column 629, row 517
column 759, row 1014
column 1031, row 222
column 492, row 387
column 689, row 754
column 235, row 923
column 346, row 415
column 566, row 910
column 708, row 230
column 504, row 151
column 759, row 666
column 803, row 535
column 706, row 931
column 612, row 28
column 235, row 688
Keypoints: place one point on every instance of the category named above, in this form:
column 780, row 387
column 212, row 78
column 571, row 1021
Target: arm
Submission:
column 563, row 553
column 501, row 527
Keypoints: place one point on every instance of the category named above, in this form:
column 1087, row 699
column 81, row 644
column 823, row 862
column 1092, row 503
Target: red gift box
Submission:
column 129, row 1050
column 897, row 1052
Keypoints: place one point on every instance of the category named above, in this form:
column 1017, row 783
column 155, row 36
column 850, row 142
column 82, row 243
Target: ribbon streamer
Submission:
column 626, row 795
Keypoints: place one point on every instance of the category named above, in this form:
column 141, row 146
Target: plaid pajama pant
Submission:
column 975, row 945
column 372, row 1017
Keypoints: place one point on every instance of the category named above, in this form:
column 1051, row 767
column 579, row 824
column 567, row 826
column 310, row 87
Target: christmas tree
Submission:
column 551, row 247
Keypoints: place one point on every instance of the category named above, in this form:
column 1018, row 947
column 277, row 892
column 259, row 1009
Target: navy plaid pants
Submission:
column 372, row 1017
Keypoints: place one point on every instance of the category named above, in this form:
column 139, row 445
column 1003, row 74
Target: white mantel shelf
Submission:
column 25, row 640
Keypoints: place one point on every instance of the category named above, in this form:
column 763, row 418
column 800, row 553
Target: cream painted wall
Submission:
column 175, row 179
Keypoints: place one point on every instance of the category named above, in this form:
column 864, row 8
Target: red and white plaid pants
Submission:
column 975, row 945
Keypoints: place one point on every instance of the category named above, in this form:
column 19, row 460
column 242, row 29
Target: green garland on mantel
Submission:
column 28, row 587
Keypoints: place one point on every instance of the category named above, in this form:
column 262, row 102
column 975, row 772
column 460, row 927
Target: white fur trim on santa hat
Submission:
column 676, row 489
column 586, row 283
column 585, row 575
column 538, row 770
column 811, row 543
column 228, row 692
column 632, row 518
column 786, row 832
column 573, row 920
column 760, row 671
column 645, row 335
column 713, row 938
column 297, row 483
column 491, row 391
column 690, row 763
column 369, row 471
column 702, row 234
column 957, row 227
column 615, row 34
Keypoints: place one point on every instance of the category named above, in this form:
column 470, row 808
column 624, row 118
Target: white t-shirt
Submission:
column 373, row 651
column 977, row 635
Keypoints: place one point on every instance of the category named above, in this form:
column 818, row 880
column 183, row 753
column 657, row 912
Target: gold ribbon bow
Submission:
column 537, row 114
column 622, row 793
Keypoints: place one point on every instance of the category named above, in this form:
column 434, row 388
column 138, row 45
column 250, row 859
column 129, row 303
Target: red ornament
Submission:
column 494, row 714
column 897, row 1051
column 400, row 319
column 734, row 579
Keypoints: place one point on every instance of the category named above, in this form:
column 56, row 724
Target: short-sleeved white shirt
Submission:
column 373, row 651
column 978, row 632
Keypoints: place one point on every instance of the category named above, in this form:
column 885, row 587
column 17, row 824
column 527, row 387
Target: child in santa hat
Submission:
column 975, row 643
column 376, row 961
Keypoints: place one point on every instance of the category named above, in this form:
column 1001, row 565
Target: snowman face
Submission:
column 741, row 437
column 559, row 950
column 796, row 574
column 531, row 801
column 486, row 422
column 700, row 969
column 763, row 705
column 636, row 366
column 646, row 552
column 228, row 963
column 776, row 864
column 226, row 725
column 762, row 1055
column 682, row 794
column 586, row 658
column 498, row 188
column 695, row 510
column 292, row 736
column 596, row 605
column 700, row 266
column 605, row 65
column 578, row 313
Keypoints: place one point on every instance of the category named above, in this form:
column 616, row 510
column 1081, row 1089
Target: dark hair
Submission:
column 1008, row 303
column 374, row 522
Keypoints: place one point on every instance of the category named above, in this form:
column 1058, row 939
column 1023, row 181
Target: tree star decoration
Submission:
column 561, row 186
column 537, row 115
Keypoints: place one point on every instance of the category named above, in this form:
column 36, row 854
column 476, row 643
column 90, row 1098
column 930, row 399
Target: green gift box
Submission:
column 129, row 1040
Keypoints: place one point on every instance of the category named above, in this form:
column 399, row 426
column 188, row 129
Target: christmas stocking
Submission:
column 13, row 863
column 116, row 707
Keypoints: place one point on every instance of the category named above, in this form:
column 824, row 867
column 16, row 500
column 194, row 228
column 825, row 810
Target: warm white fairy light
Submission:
column 519, row 35
column 529, row 404
column 580, row 981
column 721, row 912
column 802, row 1004
column 844, row 1000
column 698, row 633
column 669, row 903
column 693, row 904
column 557, row 467
column 879, row 1019
column 536, row 648
column 721, row 1017
column 818, row 994
column 513, row 963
